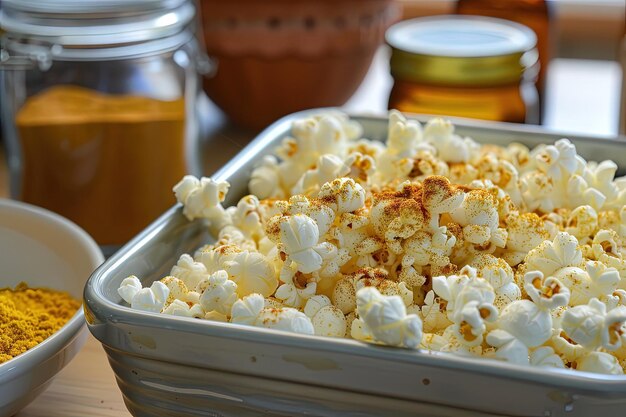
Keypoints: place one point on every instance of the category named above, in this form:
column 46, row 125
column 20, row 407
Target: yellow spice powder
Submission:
column 29, row 315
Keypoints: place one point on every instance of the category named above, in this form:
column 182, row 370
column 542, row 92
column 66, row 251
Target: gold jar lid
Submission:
column 461, row 50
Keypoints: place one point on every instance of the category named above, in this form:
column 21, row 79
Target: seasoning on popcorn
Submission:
column 429, row 241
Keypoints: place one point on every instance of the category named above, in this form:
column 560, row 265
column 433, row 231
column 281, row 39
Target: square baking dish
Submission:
column 172, row 366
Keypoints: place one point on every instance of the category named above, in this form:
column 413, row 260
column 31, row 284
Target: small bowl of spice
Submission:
column 45, row 261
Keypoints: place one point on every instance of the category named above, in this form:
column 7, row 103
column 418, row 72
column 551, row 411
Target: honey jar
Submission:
column 465, row 66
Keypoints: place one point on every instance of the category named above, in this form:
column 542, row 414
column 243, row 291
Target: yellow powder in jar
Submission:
column 107, row 162
column 30, row 315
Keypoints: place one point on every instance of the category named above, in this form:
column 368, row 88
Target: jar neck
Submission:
column 462, row 71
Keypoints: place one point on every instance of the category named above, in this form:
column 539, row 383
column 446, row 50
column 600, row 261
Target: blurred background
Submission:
column 119, row 97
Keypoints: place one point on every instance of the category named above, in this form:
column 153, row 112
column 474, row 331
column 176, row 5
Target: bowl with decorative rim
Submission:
column 276, row 57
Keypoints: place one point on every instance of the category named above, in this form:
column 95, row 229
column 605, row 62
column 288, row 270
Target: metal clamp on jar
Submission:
column 476, row 67
column 98, row 108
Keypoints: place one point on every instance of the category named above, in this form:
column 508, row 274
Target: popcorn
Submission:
column 343, row 194
column 182, row 309
column 362, row 168
column 582, row 222
column 478, row 214
column 247, row 218
column 508, row 347
column 251, row 311
column 505, row 253
column 404, row 135
column 385, row 318
column 538, row 192
column 433, row 342
column 404, row 140
column 499, row 275
column 545, row 356
column 151, row 299
column 592, row 327
column 202, row 198
column 252, row 273
column 450, row 147
column 286, row 319
column 558, row 160
column 501, row 176
column 313, row 137
column 434, row 315
column 581, row 193
column 525, row 232
column 387, row 287
column 605, row 242
column 548, row 293
column 189, row 271
column 601, row 363
column 328, row 168
column 332, row 259
column 298, row 235
column 297, row 287
column 597, row 281
column 527, row 324
column 247, row 310
column 600, row 177
column 214, row 258
column 469, row 321
column 322, row 214
column 439, row 197
column 128, row 288
column 457, row 290
column 518, row 155
column 327, row 319
column 265, row 179
column 177, row 289
column 220, row 293
column 344, row 293
column 565, row 347
column 551, row 256
column 425, row 248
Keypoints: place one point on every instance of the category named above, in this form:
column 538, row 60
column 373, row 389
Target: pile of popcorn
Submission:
column 431, row 241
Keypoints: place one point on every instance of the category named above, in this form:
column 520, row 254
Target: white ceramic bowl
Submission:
column 42, row 249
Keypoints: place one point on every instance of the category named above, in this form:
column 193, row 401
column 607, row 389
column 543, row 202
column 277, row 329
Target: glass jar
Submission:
column 469, row 66
column 98, row 104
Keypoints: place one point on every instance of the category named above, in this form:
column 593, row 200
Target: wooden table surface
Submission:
column 87, row 387
column 84, row 388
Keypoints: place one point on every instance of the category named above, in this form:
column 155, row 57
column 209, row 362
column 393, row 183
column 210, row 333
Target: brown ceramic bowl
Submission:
column 276, row 57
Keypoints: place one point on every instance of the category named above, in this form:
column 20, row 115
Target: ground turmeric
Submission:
column 105, row 161
column 29, row 315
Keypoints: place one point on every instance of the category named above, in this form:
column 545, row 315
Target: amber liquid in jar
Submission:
column 499, row 103
column 532, row 13
column 106, row 162
column 464, row 66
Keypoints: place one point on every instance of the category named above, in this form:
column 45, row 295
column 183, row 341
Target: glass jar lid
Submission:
column 88, row 23
column 461, row 50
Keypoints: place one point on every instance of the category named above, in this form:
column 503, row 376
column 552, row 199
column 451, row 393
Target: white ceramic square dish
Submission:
column 42, row 249
column 172, row 366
